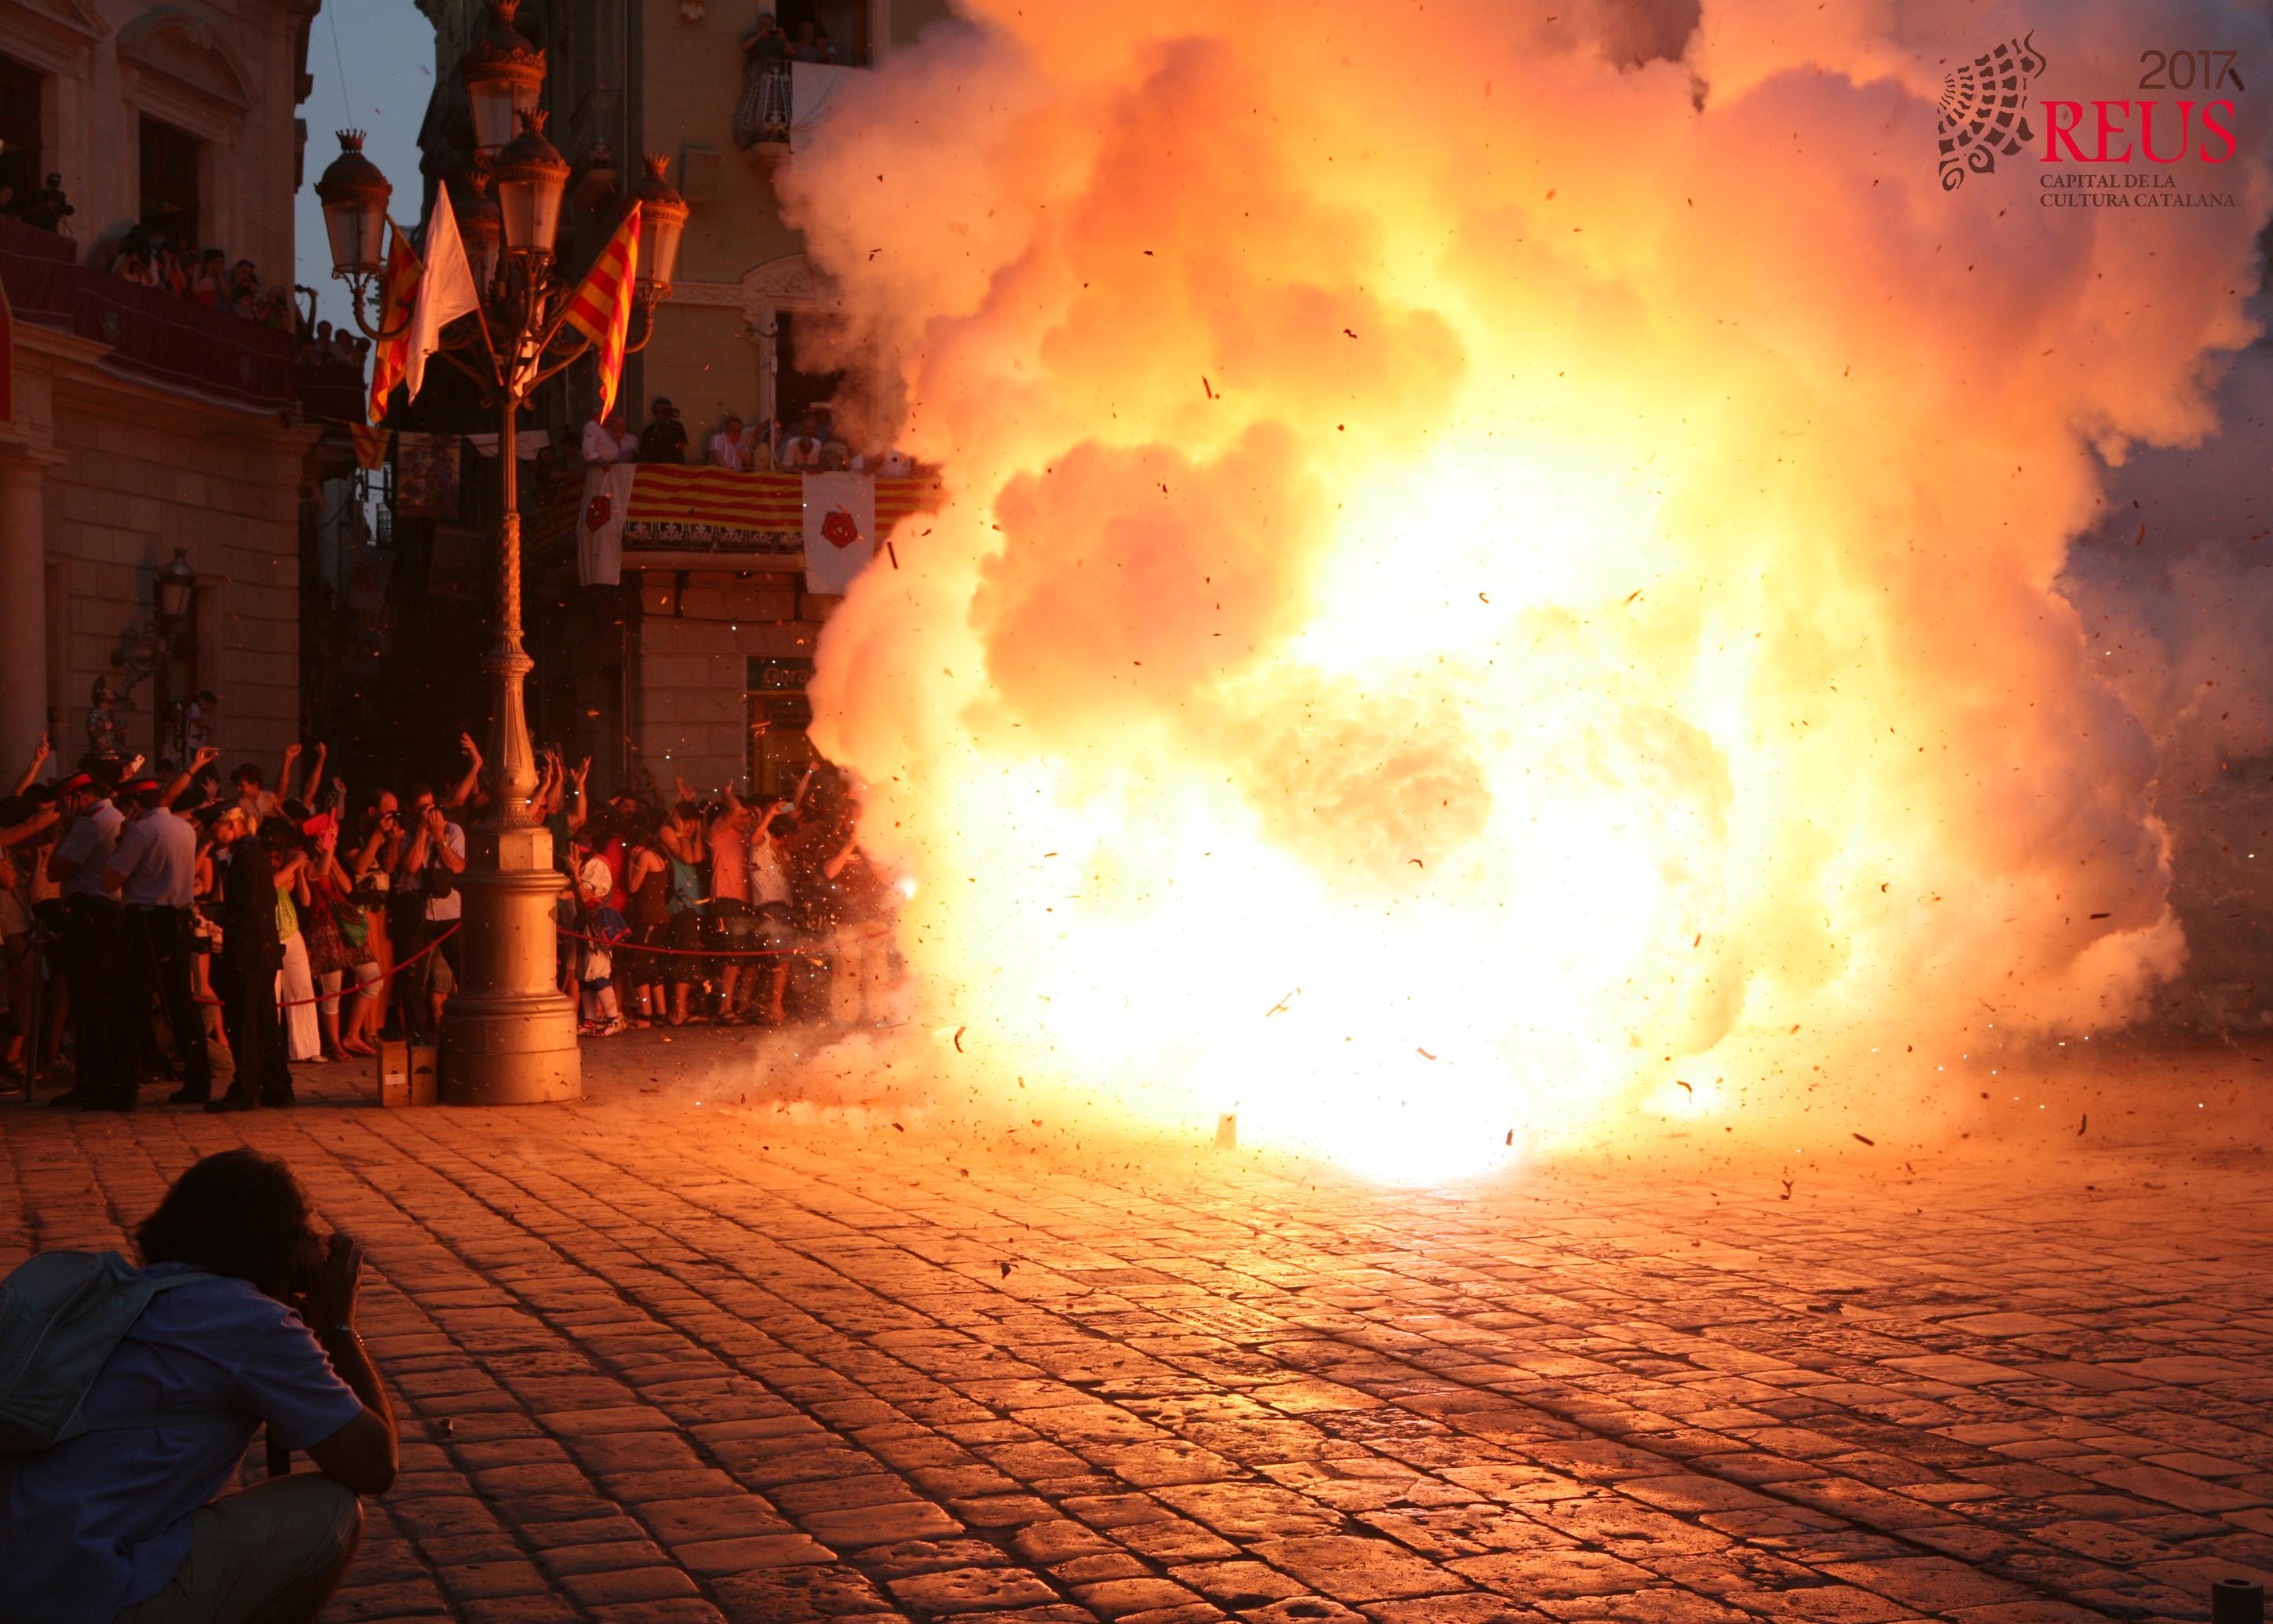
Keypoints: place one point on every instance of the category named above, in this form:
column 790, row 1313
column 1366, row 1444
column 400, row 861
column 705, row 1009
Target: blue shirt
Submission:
column 101, row 1522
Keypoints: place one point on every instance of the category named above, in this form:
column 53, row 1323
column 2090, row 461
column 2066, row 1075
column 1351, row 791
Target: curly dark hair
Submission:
column 238, row 1213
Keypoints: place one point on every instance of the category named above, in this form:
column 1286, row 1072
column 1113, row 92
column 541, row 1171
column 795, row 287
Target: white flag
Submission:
column 600, row 526
column 840, row 529
column 445, row 291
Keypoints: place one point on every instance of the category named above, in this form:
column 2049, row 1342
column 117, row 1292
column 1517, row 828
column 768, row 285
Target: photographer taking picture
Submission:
column 433, row 858
column 117, row 1443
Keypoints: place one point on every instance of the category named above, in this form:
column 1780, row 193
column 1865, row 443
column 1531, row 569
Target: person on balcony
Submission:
column 209, row 286
column 731, row 445
column 763, row 113
column 800, row 453
column 605, row 443
column 664, row 438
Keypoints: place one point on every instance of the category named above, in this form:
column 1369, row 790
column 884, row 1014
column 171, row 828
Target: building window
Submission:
column 170, row 182
column 21, row 90
column 841, row 26
column 779, row 715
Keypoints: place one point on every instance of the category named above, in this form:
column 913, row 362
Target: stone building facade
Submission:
column 142, row 426
column 668, row 674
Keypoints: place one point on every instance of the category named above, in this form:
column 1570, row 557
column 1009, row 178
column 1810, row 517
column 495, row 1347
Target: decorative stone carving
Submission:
column 184, row 54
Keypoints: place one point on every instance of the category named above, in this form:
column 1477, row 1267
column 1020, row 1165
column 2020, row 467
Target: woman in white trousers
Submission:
column 296, row 986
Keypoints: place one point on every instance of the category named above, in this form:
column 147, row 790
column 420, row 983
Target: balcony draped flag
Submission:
column 397, row 289
column 601, row 307
column 840, row 529
column 445, row 291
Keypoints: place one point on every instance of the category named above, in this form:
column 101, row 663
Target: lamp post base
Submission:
column 508, row 1033
column 510, row 1050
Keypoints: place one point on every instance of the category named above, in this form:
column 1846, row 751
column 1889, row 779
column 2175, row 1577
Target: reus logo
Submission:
column 1984, row 109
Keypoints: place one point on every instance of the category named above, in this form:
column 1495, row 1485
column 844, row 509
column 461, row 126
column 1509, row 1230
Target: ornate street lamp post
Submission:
column 508, row 1033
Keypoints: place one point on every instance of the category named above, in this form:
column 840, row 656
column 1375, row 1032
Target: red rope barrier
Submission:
column 624, row 944
column 396, row 968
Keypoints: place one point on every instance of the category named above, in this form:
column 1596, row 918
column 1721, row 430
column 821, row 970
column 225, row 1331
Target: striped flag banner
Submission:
column 601, row 307
column 397, row 289
column 757, row 519
column 666, row 493
column 370, row 446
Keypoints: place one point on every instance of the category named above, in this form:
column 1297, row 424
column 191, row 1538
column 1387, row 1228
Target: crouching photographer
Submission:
column 119, row 1439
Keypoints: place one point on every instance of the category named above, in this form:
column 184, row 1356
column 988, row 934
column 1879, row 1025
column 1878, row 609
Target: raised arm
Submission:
column 16, row 834
column 284, row 778
column 205, row 758
column 464, row 789
column 579, row 803
column 315, row 778
column 40, row 755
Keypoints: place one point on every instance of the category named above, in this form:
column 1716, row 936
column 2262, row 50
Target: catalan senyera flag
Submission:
column 370, row 446
column 601, row 307
column 398, row 289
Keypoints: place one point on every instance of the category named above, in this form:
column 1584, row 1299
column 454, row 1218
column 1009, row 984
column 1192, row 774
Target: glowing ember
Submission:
column 1545, row 553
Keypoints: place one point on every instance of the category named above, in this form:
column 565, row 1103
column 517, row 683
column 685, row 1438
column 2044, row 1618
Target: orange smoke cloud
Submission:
column 1544, row 547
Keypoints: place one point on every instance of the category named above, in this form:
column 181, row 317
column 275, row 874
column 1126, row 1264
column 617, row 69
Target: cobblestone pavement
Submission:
column 670, row 1364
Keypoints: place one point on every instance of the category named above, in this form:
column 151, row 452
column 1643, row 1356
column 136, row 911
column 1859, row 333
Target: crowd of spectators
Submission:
column 203, row 276
column 152, row 924
column 725, row 908
column 330, row 355
column 809, row 444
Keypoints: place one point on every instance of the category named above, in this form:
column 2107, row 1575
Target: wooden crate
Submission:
column 406, row 1072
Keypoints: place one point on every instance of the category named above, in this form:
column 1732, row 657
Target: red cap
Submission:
column 74, row 783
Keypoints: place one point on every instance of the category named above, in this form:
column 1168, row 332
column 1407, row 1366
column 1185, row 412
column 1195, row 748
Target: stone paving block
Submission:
column 726, row 1556
column 971, row 1590
column 1351, row 1569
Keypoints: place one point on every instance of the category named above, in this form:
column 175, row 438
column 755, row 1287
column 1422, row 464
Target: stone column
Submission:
column 23, row 610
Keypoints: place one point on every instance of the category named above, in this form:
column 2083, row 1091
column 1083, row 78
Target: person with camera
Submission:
column 431, row 863
column 113, row 1501
column 372, row 868
column 664, row 438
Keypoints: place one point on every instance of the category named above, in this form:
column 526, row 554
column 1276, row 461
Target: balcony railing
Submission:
column 152, row 335
column 782, row 101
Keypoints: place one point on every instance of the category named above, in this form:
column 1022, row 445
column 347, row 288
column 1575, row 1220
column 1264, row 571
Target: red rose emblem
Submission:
column 840, row 528
column 597, row 512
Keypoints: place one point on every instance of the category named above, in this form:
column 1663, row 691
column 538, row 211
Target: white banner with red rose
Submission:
column 840, row 529
column 600, row 526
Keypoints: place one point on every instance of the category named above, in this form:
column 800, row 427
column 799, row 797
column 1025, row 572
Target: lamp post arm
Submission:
column 558, row 367
column 485, row 381
column 646, row 308
column 382, row 333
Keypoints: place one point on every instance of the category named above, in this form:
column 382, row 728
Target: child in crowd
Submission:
column 603, row 928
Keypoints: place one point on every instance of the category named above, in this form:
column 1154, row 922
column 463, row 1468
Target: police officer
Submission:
column 154, row 874
column 105, row 1056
